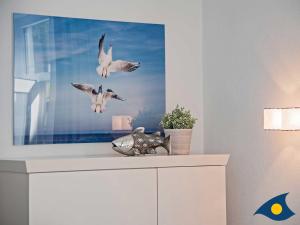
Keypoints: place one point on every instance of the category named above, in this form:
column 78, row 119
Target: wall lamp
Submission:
column 285, row 119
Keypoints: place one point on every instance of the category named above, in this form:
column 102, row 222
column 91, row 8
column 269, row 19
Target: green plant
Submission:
column 179, row 118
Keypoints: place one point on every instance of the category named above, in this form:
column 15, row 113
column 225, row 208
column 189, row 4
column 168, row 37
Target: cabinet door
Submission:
column 111, row 197
column 191, row 196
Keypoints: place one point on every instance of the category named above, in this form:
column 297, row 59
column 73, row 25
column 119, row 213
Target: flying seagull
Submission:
column 98, row 98
column 107, row 65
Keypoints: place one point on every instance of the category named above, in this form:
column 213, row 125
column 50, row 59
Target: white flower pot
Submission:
column 180, row 140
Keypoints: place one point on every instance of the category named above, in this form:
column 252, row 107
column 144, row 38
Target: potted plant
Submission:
column 179, row 124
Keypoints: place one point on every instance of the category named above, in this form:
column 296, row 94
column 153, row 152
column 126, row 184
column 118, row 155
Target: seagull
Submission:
column 98, row 98
column 107, row 65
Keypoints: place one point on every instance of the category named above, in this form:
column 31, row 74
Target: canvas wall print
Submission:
column 82, row 80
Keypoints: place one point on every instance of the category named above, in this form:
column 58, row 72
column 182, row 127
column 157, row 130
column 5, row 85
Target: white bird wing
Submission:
column 109, row 54
column 101, row 54
column 123, row 66
column 86, row 88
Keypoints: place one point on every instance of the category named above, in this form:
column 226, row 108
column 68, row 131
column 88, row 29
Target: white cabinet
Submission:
column 191, row 196
column 157, row 190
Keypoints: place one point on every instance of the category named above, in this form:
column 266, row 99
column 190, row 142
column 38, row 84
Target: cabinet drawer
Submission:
column 108, row 197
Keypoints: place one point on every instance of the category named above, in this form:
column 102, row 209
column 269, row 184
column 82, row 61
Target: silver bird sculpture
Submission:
column 98, row 98
column 139, row 143
column 107, row 65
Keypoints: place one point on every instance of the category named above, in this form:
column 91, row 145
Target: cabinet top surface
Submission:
column 87, row 163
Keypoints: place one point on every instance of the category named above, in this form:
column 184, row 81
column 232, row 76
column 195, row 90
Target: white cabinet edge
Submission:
column 64, row 164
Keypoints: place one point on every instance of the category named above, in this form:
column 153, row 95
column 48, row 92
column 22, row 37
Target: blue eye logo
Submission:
column 276, row 209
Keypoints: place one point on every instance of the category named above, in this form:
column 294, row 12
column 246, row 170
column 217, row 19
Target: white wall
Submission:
column 251, row 61
column 183, row 59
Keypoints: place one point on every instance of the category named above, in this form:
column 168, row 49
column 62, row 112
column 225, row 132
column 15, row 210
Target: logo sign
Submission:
column 276, row 209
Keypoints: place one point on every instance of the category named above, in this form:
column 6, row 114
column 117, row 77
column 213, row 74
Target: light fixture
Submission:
column 287, row 119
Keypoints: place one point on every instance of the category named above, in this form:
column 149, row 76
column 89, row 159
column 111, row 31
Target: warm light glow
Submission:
column 282, row 119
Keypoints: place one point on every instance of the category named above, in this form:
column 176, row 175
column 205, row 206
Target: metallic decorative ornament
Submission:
column 139, row 143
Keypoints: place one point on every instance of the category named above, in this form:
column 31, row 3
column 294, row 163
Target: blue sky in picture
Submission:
column 67, row 49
